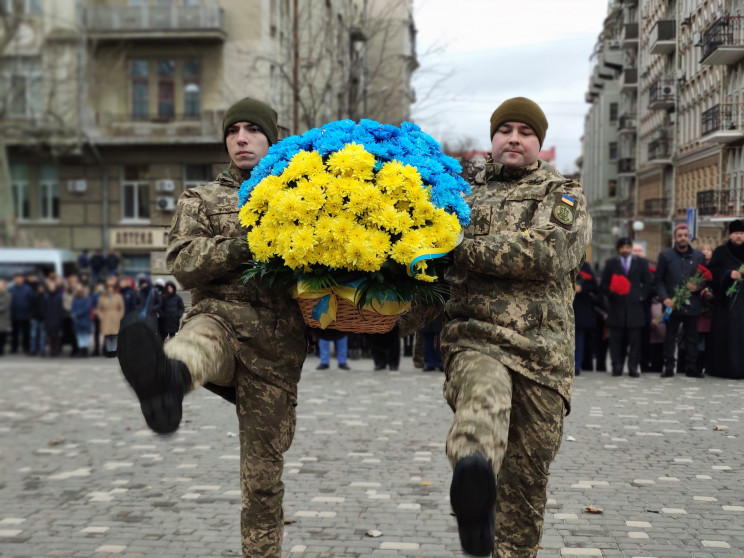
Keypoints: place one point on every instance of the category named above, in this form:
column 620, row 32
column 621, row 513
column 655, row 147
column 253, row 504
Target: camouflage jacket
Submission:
column 207, row 253
column 512, row 279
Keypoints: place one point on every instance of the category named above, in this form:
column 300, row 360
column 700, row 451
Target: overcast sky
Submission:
column 492, row 50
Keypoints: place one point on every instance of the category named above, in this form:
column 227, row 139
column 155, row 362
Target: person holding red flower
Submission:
column 680, row 278
column 584, row 313
column 627, row 283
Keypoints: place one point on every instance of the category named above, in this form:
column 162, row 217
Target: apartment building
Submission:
column 679, row 128
column 111, row 108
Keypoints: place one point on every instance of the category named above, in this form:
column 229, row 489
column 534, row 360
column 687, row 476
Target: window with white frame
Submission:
column 191, row 88
column 135, row 193
column 19, row 185
column 48, row 193
column 21, row 87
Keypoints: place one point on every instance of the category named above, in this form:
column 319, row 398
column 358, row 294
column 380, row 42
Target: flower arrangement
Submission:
column 619, row 284
column 733, row 289
column 355, row 211
column 681, row 295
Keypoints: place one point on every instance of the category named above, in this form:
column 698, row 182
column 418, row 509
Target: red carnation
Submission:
column 619, row 284
column 707, row 275
column 652, row 268
column 585, row 275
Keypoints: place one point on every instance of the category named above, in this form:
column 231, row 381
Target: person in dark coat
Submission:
column 112, row 263
column 54, row 314
column 38, row 333
column 127, row 292
column 97, row 261
column 170, row 312
column 385, row 349
column 584, row 313
column 148, row 299
column 432, row 352
column 4, row 314
column 675, row 267
column 727, row 324
column 626, row 282
column 21, row 295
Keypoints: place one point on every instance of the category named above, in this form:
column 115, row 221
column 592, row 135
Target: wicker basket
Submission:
column 348, row 317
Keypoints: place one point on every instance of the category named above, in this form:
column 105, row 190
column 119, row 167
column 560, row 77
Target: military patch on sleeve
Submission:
column 564, row 211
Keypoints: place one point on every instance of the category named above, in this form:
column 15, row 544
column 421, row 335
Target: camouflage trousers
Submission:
column 266, row 419
column 517, row 425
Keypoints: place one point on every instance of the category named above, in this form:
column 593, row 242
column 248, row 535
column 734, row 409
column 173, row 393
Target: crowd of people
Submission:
column 681, row 316
column 40, row 316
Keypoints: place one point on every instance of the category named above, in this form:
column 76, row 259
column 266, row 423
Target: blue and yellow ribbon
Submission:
column 325, row 309
column 429, row 255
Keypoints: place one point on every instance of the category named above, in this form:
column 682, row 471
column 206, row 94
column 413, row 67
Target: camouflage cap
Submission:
column 255, row 111
column 520, row 109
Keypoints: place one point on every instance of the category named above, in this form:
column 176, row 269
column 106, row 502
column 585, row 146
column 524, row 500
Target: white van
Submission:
column 38, row 261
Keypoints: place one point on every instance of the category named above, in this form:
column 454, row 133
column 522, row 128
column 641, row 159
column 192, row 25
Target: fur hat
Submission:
column 520, row 109
column 737, row 225
column 255, row 111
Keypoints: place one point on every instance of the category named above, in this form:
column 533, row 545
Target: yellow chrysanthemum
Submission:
column 260, row 248
column 248, row 217
column 411, row 242
column 303, row 163
column 353, row 161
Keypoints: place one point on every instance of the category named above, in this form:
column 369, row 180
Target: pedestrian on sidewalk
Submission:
column 4, row 314
column 324, row 348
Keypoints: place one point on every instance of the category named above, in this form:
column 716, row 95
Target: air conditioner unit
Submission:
column 166, row 203
column 165, row 185
column 667, row 90
column 77, row 186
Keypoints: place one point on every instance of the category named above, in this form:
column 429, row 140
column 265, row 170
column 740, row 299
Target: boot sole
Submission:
column 473, row 495
column 145, row 367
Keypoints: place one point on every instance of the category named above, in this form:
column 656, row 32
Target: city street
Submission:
column 648, row 468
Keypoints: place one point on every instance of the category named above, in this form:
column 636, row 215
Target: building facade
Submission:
column 680, row 126
column 111, row 108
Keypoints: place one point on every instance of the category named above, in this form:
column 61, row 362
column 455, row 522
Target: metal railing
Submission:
column 626, row 122
column 725, row 31
column 725, row 116
column 663, row 91
column 660, row 148
column 625, row 209
column 626, row 165
column 729, row 202
column 656, row 207
column 154, row 18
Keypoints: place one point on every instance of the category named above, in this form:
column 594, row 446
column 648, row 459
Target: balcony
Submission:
column 663, row 37
column 723, row 42
column 115, row 23
column 125, row 128
column 629, row 79
column 656, row 207
column 723, row 203
column 626, row 166
column 662, row 94
column 660, row 150
column 626, row 124
column 629, row 36
column 722, row 124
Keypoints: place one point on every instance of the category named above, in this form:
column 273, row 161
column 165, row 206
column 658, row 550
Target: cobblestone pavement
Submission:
column 80, row 475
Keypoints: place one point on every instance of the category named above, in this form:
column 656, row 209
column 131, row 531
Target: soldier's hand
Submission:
column 692, row 287
column 735, row 275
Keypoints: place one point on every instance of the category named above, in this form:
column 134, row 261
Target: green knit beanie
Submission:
column 520, row 109
column 255, row 111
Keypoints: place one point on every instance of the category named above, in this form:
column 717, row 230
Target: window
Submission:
column 140, row 105
column 166, row 94
column 196, row 175
column 612, row 188
column 191, row 88
column 19, row 186
column 613, row 150
column 29, row 6
column 20, row 86
column 613, row 112
column 48, row 193
column 136, row 193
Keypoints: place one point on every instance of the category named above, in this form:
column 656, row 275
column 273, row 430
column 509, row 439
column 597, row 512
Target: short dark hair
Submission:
column 623, row 241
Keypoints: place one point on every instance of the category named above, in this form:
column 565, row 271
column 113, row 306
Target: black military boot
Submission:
column 473, row 495
column 159, row 382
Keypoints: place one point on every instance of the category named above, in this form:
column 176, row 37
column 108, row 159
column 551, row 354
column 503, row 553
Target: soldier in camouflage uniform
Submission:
column 509, row 340
column 243, row 337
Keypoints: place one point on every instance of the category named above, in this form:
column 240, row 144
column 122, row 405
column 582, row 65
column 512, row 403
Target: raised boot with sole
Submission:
column 473, row 495
column 159, row 382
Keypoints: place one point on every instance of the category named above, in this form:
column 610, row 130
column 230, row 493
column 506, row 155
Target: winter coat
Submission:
column 149, row 296
column 5, row 325
column 110, row 312
column 675, row 268
column 20, row 304
column 81, row 314
column 53, row 310
column 513, row 276
column 130, row 299
column 171, row 312
column 627, row 310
